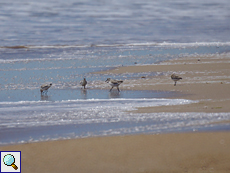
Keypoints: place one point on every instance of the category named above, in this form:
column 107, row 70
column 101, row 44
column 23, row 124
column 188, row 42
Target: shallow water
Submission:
column 29, row 68
column 13, row 96
column 106, row 121
column 67, row 111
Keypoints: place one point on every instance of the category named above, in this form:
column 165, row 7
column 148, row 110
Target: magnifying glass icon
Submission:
column 9, row 160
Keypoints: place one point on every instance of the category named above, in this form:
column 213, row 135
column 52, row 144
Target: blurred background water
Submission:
column 88, row 22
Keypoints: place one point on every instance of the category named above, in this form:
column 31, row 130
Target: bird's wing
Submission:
column 45, row 86
column 178, row 77
column 115, row 82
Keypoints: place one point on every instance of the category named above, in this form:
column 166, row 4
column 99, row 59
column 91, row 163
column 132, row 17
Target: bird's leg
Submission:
column 118, row 88
column 175, row 83
column 111, row 89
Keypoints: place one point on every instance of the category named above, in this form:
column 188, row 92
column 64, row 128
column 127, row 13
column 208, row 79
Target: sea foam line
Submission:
column 25, row 107
column 92, row 100
column 120, row 45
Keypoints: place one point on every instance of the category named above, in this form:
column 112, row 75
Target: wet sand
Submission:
column 205, row 80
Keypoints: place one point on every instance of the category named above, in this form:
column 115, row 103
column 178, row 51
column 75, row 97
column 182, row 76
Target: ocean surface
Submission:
column 61, row 42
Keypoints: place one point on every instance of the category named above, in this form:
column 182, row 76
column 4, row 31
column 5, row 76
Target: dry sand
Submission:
column 192, row 152
column 207, row 81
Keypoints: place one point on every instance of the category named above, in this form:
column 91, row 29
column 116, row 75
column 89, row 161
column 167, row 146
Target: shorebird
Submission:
column 175, row 78
column 45, row 87
column 114, row 83
column 83, row 83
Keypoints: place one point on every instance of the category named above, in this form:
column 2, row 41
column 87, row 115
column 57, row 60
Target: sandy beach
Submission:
column 193, row 152
column 205, row 80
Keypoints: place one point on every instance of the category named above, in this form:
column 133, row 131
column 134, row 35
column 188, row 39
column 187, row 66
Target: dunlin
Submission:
column 175, row 78
column 83, row 83
column 114, row 83
column 45, row 87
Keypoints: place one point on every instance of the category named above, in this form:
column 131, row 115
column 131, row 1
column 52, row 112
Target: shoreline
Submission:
column 204, row 80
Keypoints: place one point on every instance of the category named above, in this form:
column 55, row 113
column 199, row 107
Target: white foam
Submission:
column 37, row 113
column 169, row 44
column 132, row 124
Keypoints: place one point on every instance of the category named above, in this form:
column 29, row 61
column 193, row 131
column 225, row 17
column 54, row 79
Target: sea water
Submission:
column 61, row 42
column 88, row 22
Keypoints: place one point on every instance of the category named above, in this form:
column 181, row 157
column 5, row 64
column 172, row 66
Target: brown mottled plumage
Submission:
column 175, row 78
column 83, row 83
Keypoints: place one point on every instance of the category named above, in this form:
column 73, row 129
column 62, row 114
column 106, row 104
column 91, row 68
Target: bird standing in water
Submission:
column 114, row 83
column 83, row 83
column 44, row 88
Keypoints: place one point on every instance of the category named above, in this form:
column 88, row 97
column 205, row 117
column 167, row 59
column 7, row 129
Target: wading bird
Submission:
column 175, row 78
column 45, row 87
column 83, row 83
column 114, row 83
